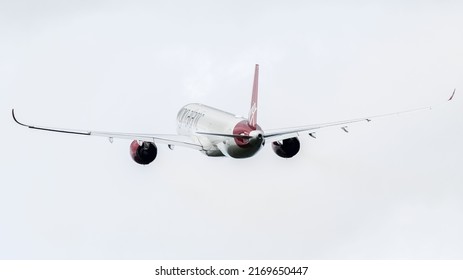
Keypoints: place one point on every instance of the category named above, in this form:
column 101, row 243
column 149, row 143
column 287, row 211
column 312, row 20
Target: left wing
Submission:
column 169, row 139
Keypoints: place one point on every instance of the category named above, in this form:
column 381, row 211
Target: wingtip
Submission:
column 15, row 119
column 453, row 94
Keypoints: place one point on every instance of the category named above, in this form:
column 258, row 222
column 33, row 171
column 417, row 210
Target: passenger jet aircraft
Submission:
column 217, row 133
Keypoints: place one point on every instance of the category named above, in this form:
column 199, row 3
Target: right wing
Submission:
column 285, row 133
column 169, row 139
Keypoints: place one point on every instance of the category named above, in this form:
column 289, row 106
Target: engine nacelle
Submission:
column 286, row 148
column 144, row 153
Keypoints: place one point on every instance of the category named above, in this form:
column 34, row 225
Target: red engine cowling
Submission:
column 144, row 153
column 287, row 148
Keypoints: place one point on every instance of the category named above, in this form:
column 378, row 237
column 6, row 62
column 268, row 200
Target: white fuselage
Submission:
column 196, row 118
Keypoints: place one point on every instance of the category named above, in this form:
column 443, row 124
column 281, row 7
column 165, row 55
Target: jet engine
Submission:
column 286, row 148
column 143, row 152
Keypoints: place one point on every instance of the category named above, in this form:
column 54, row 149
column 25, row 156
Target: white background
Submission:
column 389, row 189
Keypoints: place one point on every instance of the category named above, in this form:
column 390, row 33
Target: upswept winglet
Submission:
column 16, row 120
column 453, row 94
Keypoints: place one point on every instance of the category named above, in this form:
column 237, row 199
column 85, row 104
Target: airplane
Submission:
column 217, row 133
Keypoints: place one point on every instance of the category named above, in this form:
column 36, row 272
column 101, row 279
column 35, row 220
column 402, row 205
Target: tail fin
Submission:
column 252, row 118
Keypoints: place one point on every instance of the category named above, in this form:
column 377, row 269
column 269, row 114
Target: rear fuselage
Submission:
column 198, row 118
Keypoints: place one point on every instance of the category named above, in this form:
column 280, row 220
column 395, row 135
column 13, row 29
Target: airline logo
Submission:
column 252, row 115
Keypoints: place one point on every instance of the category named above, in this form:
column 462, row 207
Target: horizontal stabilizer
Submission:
column 225, row 135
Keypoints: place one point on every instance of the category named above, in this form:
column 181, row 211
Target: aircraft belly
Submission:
column 231, row 149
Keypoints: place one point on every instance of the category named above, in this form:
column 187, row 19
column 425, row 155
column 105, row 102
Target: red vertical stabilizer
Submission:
column 252, row 119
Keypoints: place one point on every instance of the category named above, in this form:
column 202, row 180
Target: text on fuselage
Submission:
column 189, row 118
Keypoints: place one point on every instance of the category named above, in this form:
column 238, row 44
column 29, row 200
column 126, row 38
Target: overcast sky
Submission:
column 392, row 188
